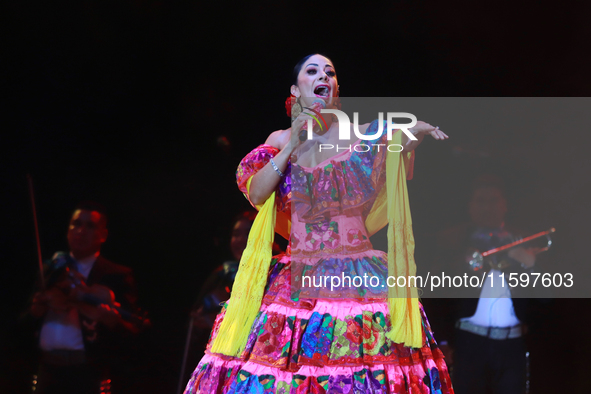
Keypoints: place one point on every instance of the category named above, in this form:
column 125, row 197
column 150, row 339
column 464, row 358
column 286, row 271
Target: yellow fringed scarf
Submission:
column 391, row 207
column 249, row 285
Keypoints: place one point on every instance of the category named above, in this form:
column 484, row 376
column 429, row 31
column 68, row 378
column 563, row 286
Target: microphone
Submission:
column 316, row 103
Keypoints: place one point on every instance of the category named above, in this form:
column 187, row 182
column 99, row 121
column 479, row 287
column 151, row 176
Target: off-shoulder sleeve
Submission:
column 254, row 162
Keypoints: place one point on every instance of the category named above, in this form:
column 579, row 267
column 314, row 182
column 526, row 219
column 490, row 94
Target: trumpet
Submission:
column 476, row 259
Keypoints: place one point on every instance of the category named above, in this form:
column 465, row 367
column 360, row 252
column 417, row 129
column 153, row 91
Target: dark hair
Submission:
column 248, row 214
column 488, row 180
column 93, row 206
column 298, row 67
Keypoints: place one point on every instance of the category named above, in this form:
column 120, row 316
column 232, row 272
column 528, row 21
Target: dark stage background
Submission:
column 148, row 107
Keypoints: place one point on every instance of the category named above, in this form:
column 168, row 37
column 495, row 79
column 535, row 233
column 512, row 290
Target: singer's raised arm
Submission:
column 265, row 181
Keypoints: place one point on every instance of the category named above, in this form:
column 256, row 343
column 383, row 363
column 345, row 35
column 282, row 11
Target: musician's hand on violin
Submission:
column 526, row 256
column 108, row 315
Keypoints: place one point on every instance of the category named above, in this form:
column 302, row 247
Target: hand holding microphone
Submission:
column 315, row 108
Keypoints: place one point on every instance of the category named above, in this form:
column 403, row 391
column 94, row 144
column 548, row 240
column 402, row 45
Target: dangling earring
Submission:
column 337, row 103
column 293, row 107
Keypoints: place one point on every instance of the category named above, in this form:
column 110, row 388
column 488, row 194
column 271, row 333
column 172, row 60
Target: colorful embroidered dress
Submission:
column 314, row 339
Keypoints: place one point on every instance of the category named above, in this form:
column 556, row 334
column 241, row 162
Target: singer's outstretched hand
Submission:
column 420, row 130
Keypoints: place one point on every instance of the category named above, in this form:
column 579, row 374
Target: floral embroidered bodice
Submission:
column 328, row 205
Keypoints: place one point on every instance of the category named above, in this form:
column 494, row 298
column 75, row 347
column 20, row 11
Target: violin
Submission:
column 67, row 289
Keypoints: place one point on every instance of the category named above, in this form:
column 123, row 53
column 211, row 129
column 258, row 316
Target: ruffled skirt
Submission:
column 301, row 346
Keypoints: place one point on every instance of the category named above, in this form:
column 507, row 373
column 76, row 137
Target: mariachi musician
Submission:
column 86, row 311
column 483, row 336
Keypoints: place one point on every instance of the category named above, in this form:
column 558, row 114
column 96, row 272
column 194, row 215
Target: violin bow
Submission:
column 32, row 196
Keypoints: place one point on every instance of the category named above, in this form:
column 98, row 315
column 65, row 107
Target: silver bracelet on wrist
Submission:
column 277, row 170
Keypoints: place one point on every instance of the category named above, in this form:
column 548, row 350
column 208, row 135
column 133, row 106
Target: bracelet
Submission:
column 277, row 170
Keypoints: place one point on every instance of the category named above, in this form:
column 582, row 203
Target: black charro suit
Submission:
column 105, row 350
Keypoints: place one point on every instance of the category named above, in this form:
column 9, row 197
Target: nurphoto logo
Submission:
column 345, row 130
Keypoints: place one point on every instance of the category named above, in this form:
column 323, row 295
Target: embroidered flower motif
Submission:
column 330, row 239
column 309, row 338
column 354, row 236
column 274, row 324
column 370, row 335
column 339, row 384
column 269, row 342
column 323, row 185
column 322, row 235
column 313, row 241
column 353, row 332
